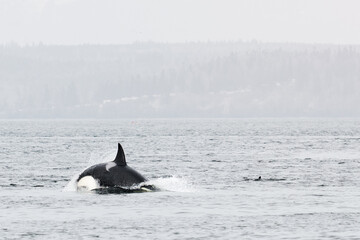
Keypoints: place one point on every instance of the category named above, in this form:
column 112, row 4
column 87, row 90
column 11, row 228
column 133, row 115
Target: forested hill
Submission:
column 223, row 79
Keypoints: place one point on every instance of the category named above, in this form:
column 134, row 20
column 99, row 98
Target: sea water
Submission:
column 206, row 170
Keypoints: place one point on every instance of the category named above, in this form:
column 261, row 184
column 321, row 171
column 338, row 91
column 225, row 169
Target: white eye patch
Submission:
column 87, row 183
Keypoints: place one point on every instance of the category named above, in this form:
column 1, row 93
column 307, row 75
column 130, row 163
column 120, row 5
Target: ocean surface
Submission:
column 206, row 170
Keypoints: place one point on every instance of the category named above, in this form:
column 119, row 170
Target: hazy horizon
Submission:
column 148, row 80
column 181, row 58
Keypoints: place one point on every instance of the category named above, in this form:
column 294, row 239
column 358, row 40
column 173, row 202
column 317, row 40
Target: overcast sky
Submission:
column 117, row 21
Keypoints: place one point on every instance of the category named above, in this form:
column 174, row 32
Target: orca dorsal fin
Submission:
column 120, row 156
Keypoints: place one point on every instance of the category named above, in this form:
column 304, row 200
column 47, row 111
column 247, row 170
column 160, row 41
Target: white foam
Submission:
column 174, row 184
column 72, row 186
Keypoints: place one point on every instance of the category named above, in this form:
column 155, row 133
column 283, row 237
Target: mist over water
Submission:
column 206, row 169
column 214, row 79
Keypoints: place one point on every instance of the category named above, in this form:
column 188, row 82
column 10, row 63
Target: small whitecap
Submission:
column 174, row 184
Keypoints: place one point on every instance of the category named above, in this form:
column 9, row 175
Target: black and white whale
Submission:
column 113, row 177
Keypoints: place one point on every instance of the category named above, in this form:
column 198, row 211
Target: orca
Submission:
column 258, row 179
column 113, row 177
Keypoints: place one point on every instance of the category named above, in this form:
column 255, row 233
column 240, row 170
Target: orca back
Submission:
column 114, row 174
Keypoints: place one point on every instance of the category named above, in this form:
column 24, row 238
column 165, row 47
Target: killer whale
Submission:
column 113, row 177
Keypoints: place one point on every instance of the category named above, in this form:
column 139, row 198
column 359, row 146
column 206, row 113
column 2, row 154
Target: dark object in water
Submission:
column 120, row 190
column 251, row 179
column 114, row 176
column 258, row 179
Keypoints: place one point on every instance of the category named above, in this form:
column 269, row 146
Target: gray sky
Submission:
column 117, row 21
